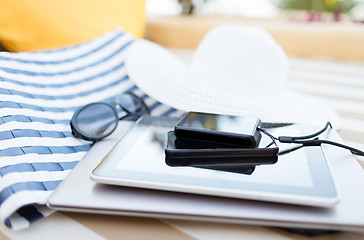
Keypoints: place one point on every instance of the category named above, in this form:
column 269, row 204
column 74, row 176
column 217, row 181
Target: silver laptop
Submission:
column 79, row 193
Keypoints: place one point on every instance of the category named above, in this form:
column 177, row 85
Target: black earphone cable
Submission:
column 319, row 142
column 328, row 124
column 312, row 142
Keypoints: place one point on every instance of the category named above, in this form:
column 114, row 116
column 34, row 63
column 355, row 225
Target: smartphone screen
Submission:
column 222, row 129
column 222, row 123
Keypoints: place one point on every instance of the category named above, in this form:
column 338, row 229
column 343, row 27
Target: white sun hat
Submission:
column 235, row 70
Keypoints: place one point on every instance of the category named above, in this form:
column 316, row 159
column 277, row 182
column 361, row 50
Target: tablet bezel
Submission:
column 322, row 194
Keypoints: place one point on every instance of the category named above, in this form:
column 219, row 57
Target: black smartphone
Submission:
column 206, row 130
column 266, row 153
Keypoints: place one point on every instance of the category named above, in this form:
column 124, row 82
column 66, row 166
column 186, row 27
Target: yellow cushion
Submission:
column 27, row 25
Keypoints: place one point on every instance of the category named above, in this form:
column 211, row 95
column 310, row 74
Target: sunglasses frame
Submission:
column 76, row 132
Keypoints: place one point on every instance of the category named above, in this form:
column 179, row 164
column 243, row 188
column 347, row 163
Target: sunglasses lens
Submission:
column 97, row 120
column 128, row 102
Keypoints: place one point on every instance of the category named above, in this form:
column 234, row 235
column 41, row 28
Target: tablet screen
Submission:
column 138, row 160
column 151, row 141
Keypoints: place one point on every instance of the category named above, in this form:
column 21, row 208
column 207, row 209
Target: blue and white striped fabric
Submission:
column 39, row 92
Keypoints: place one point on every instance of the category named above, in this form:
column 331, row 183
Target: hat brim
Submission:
column 243, row 77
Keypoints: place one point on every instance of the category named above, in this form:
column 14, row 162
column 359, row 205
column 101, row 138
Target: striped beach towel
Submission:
column 39, row 92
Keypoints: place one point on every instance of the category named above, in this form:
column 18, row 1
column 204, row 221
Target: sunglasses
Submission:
column 98, row 120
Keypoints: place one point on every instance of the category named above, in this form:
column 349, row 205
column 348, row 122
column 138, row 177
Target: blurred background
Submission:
column 291, row 10
column 332, row 29
column 305, row 28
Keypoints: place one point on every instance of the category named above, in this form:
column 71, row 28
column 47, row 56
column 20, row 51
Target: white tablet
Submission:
column 299, row 177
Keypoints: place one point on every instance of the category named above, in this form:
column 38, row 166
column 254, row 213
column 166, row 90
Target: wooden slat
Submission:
column 329, row 40
column 119, row 227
